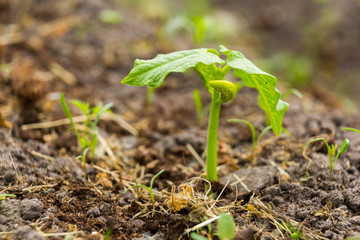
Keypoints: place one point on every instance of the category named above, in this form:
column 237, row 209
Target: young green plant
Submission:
column 212, row 71
column 226, row 229
column 88, row 138
column 332, row 151
column 149, row 189
column 255, row 140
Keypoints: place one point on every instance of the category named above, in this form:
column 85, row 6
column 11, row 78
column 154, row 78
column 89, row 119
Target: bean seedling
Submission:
column 88, row 139
column 255, row 140
column 225, row 228
column 212, row 71
column 149, row 189
column 332, row 151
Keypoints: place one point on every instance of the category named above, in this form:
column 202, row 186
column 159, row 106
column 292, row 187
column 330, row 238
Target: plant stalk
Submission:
column 211, row 157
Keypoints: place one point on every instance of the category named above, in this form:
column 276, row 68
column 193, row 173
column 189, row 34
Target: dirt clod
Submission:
column 30, row 209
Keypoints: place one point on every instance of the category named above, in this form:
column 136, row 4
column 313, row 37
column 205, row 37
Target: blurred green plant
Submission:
column 4, row 195
column 255, row 140
column 88, row 138
column 198, row 19
column 351, row 129
column 332, row 151
column 83, row 158
column 110, row 16
column 296, row 69
column 149, row 189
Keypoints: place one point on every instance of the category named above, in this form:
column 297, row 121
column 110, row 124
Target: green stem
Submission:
column 211, row 161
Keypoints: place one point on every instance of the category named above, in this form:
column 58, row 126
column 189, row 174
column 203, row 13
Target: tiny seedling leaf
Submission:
column 351, row 129
column 68, row 114
column 344, row 145
column 4, row 195
column 153, row 179
column 84, row 107
column 264, row 83
column 196, row 236
column 226, row 227
column 152, row 72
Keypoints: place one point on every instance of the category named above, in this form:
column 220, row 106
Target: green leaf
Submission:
column 226, row 227
column 196, row 236
column 344, row 145
column 84, row 107
column 152, row 72
column 351, row 129
column 264, row 83
column 110, row 16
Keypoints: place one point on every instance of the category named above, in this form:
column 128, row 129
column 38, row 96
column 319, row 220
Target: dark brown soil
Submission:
column 286, row 191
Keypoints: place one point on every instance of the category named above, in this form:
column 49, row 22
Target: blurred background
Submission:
column 310, row 45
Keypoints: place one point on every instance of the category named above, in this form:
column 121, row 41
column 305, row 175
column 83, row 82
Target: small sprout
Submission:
column 255, row 141
column 212, row 71
column 331, row 151
column 4, row 195
column 149, row 189
column 110, row 16
column 88, row 139
column 83, row 158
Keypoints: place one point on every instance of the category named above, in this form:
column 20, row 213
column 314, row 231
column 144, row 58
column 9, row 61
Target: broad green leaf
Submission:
column 152, row 72
column 264, row 83
column 226, row 227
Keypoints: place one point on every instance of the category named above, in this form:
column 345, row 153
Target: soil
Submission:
column 62, row 48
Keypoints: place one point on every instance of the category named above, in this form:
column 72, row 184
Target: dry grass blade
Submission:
column 196, row 155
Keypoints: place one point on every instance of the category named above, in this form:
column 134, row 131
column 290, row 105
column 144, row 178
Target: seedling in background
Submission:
column 255, row 140
column 332, row 151
column 88, row 138
column 225, row 228
column 149, row 189
column 200, row 111
column 4, row 195
column 290, row 91
column 212, row 71
column 110, row 16
column 83, row 158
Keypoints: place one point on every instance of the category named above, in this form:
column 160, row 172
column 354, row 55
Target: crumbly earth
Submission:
column 286, row 191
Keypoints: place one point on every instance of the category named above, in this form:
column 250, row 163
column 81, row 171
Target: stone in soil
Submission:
column 30, row 209
column 255, row 178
